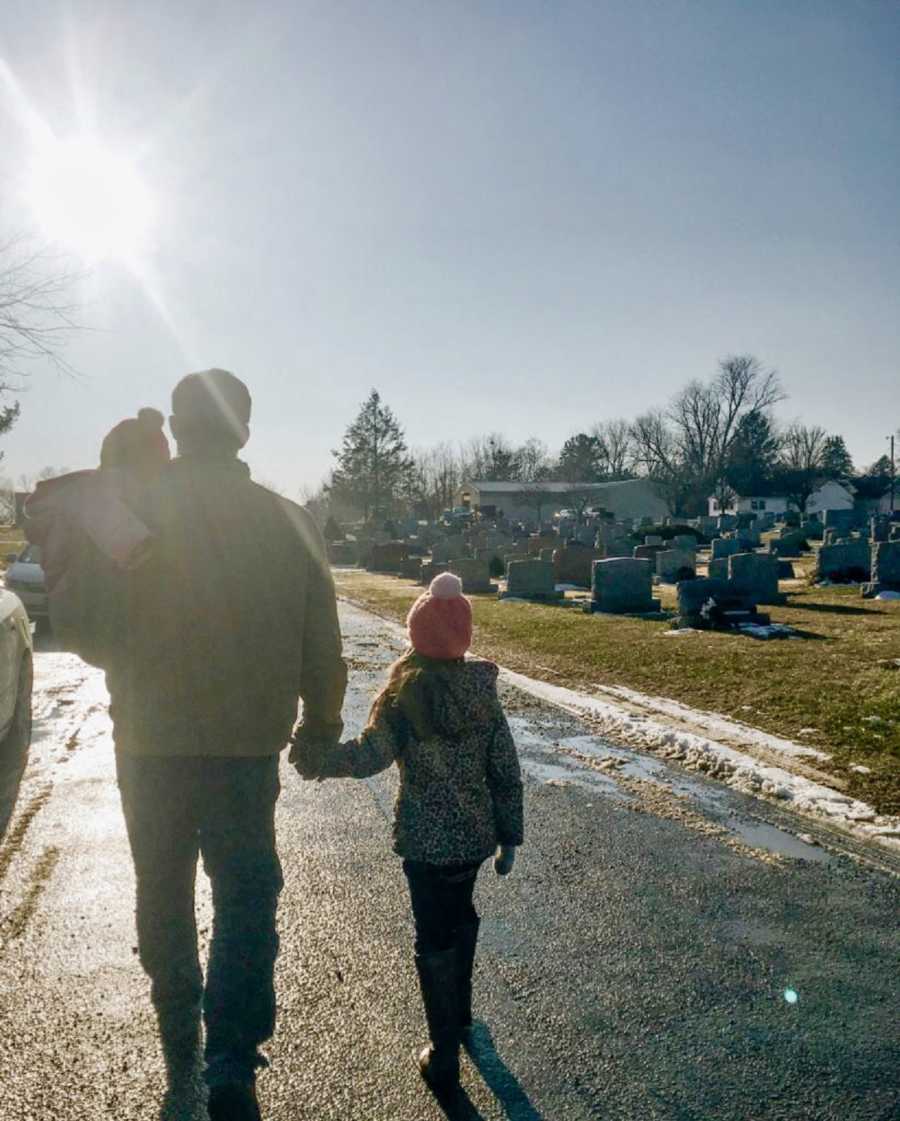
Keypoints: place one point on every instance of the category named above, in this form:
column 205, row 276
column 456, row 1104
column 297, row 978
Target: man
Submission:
column 230, row 621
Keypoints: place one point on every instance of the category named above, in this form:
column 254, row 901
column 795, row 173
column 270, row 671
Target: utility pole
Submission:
column 893, row 475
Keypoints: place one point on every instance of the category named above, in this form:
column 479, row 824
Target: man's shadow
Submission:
column 498, row 1078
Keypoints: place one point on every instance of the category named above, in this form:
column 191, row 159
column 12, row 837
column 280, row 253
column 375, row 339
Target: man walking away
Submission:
column 230, row 621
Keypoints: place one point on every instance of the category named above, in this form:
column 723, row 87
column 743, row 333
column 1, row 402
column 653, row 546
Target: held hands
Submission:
column 504, row 859
column 307, row 756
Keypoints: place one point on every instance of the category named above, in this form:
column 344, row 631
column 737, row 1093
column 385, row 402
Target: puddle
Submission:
column 768, row 837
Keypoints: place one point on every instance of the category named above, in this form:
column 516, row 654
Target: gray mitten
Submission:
column 504, row 859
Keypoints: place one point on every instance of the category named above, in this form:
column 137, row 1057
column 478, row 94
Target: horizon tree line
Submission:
column 716, row 438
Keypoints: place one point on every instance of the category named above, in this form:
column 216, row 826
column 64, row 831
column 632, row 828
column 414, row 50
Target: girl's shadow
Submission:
column 498, row 1078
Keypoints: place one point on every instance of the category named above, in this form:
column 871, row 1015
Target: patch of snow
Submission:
column 726, row 764
column 768, row 630
column 715, row 723
column 888, row 595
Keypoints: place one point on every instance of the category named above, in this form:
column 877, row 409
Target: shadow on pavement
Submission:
column 498, row 1077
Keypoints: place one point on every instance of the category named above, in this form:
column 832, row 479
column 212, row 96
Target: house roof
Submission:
column 548, row 487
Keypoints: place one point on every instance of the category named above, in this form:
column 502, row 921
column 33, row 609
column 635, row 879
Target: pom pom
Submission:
column 151, row 418
column 445, row 586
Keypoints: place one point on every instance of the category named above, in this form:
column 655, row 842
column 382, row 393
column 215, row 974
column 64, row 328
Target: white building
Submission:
column 628, row 498
column 829, row 496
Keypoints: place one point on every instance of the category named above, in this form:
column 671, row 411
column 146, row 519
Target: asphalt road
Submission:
column 640, row 963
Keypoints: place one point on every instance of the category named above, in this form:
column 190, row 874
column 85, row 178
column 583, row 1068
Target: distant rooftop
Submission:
column 550, row 488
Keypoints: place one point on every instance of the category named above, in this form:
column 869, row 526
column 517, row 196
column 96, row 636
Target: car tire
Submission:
column 17, row 740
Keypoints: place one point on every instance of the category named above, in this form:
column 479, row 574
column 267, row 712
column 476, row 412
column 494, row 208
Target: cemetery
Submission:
column 594, row 601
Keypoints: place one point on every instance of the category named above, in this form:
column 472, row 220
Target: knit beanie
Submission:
column 137, row 443
column 439, row 623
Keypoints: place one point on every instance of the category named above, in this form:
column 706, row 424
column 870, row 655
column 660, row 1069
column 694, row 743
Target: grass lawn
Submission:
column 841, row 679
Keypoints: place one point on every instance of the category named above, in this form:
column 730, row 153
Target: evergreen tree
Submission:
column 581, row 459
column 372, row 465
column 753, row 454
column 836, row 461
column 9, row 414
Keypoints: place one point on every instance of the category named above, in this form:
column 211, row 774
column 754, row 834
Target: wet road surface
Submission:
column 664, row 949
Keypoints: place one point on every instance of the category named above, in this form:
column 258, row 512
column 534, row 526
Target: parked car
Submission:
column 16, row 679
column 25, row 577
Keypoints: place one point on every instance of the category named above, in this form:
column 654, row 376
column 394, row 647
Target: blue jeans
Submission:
column 223, row 809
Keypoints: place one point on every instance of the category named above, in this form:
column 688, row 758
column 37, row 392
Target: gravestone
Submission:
column 389, row 557
column 790, row 544
column 718, row 569
column 653, row 539
column 617, row 547
column 343, row 552
column 647, row 552
column 673, row 565
column 785, row 570
column 726, row 522
column 540, row 541
column 885, row 568
column 411, row 569
column 715, row 605
column 546, row 555
column 684, row 541
column 850, row 562
column 531, row 579
column 622, row 586
column 724, row 547
column 475, row 575
column 841, row 520
column 429, row 570
column 756, row 576
column 572, row 564
column 748, row 540
column 879, row 529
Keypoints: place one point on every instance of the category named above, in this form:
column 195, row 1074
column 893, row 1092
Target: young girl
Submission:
column 439, row 719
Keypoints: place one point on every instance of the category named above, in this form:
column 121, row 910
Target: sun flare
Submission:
column 90, row 200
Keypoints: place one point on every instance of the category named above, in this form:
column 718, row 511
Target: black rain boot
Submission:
column 466, row 941
column 438, row 980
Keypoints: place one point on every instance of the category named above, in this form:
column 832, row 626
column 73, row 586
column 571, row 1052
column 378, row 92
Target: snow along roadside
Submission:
column 624, row 720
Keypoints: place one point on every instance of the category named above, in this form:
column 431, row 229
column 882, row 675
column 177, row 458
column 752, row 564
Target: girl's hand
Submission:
column 504, row 859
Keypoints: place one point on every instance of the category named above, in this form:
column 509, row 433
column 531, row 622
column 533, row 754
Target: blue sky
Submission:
column 519, row 216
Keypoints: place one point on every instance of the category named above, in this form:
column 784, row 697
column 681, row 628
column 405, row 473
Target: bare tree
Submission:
column 533, row 459
column 687, row 447
column 618, row 451
column 37, row 312
column 802, row 462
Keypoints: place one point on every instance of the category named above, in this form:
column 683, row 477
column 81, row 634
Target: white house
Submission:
column 627, row 498
column 829, row 496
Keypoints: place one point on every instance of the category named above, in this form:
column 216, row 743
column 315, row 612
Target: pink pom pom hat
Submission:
column 439, row 623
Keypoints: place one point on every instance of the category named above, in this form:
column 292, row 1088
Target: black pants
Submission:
column 224, row 809
column 441, row 898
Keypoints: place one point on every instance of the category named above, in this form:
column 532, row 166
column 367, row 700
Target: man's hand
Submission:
column 307, row 754
column 504, row 859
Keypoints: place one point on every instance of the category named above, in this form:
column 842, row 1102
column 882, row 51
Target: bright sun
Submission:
column 90, row 200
